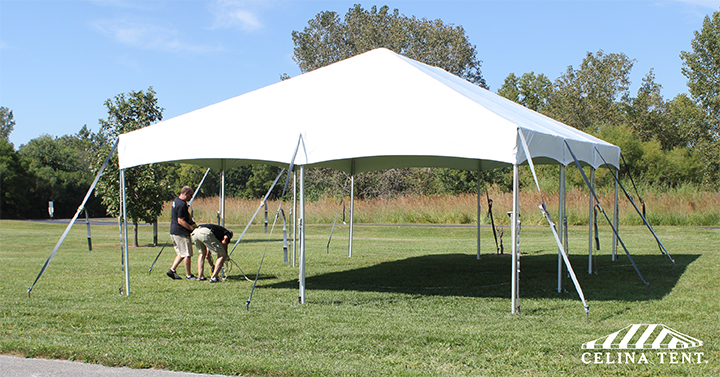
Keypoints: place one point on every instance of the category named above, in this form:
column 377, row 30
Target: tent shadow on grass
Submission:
column 463, row 275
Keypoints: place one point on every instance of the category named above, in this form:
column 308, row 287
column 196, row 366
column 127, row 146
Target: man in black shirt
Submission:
column 181, row 225
column 215, row 239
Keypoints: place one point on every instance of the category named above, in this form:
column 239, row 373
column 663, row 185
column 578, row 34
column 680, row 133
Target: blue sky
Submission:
column 61, row 60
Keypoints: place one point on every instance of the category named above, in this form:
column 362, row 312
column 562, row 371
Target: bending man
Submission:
column 214, row 239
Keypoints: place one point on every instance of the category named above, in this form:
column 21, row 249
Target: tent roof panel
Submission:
column 378, row 109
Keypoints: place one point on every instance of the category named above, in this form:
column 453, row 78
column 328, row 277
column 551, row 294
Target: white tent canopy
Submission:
column 374, row 111
column 379, row 109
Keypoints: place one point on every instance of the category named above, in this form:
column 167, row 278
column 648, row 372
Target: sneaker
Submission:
column 214, row 280
column 202, row 278
column 173, row 275
column 191, row 277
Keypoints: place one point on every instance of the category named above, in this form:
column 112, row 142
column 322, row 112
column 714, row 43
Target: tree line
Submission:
column 665, row 143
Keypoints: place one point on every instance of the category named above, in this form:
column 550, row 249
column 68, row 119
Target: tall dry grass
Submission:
column 679, row 207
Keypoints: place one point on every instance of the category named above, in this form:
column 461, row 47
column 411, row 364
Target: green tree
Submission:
column 60, row 170
column 328, row 39
column 147, row 186
column 259, row 180
column 529, row 90
column 14, row 183
column 7, row 123
column 649, row 163
column 510, row 88
column 701, row 67
column 592, row 96
column 689, row 122
column 646, row 114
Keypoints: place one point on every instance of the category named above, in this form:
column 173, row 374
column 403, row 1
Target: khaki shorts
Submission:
column 183, row 246
column 204, row 240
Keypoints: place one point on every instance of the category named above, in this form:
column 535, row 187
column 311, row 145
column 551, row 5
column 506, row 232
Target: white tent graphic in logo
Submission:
column 644, row 336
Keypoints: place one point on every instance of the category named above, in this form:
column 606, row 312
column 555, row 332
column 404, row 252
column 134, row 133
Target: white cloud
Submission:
column 148, row 36
column 234, row 14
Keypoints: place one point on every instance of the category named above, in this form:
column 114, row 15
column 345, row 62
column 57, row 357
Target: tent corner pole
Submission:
column 616, row 219
column 514, row 275
column 352, row 214
column 294, row 216
column 591, row 220
column 479, row 214
column 301, row 222
column 561, row 216
column 125, row 232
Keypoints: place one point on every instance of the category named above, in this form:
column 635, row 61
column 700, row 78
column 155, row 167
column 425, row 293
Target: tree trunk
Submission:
column 135, row 226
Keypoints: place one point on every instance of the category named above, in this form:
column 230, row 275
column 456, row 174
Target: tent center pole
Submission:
column 514, row 230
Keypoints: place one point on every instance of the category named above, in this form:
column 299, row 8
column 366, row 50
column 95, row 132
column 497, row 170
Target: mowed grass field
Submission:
column 412, row 301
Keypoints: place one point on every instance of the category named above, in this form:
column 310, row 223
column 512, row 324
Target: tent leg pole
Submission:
column 301, row 222
column 514, row 274
column 616, row 219
column 565, row 223
column 478, row 215
column 561, row 215
column 294, row 216
column 125, row 232
column 352, row 214
column 591, row 221
column 87, row 222
column 222, row 199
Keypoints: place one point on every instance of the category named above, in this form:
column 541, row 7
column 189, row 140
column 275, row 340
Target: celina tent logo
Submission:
column 643, row 344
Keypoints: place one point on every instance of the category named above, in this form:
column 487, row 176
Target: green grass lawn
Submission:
column 411, row 301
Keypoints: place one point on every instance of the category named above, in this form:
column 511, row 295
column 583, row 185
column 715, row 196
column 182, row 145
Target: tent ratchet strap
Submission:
column 285, row 239
column 642, row 215
column 545, row 214
column 77, row 213
column 492, row 222
column 597, row 236
column 600, row 208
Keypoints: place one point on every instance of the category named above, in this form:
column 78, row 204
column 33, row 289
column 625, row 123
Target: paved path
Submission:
column 11, row 366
